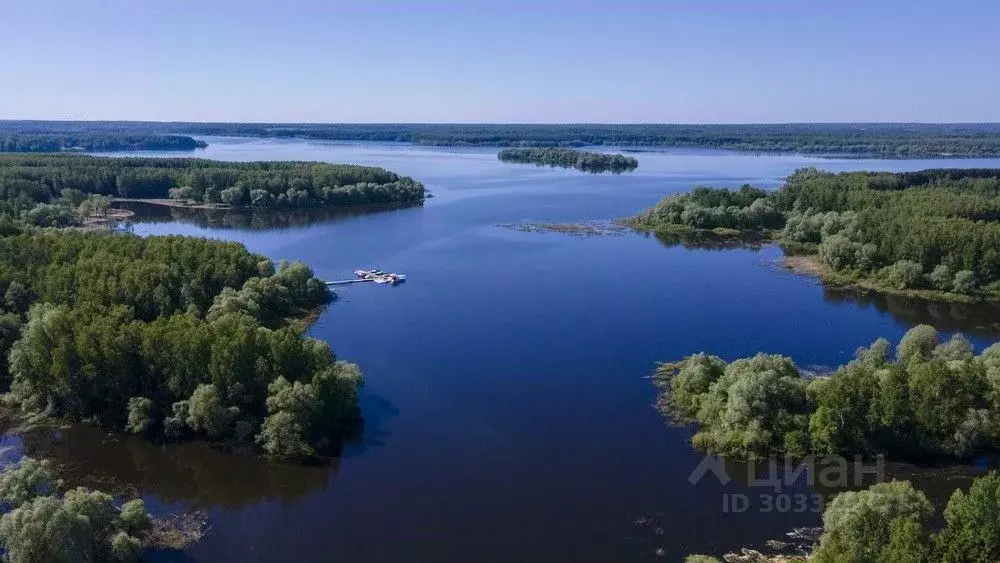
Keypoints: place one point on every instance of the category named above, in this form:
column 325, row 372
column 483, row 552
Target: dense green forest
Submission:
column 57, row 184
column 170, row 337
column 96, row 142
column 893, row 522
column 934, row 230
column 925, row 399
column 45, row 521
column 570, row 158
column 892, row 140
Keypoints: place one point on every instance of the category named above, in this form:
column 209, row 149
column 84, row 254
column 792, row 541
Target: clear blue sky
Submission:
column 501, row 61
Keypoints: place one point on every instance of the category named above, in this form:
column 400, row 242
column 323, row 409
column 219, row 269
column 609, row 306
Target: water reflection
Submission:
column 253, row 220
column 978, row 319
column 191, row 474
column 710, row 241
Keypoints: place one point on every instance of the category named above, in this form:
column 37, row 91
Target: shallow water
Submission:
column 508, row 410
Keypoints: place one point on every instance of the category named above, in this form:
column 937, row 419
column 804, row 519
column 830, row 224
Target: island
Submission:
column 923, row 400
column 933, row 233
column 586, row 161
column 96, row 142
column 63, row 190
column 885, row 140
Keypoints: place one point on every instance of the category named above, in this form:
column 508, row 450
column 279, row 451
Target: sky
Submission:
column 512, row 61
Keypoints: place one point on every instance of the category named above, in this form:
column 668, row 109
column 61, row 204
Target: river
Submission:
column 507, row 401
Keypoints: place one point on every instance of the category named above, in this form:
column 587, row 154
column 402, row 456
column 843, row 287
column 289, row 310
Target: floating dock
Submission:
column 377, row 276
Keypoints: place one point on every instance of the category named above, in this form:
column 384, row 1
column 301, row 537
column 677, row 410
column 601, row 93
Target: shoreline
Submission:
column 166, row 202
column 811, row 265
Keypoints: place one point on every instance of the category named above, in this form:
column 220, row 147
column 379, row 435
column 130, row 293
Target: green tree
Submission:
column 868, row 525
column 972, row 530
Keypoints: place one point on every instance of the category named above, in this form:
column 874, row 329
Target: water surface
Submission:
column 508, row 410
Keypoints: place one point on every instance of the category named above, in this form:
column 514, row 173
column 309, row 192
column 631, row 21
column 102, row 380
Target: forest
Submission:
column 934, row 231
column 893, row 521
column 96, row 142
column 171, row 338
column 30, row 181
column 886, row 140
column 586, row 161
column 925, row 399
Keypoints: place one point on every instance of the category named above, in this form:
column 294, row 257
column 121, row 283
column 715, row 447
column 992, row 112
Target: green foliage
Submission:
column 689, row 381
column 904, row 274
column 27, row 479
column 696, row 558
column 206, row 412
column 905, row 140
column 972, row 532
column 936, row 400
column 941, row 278
column 746, row 209
column 569, row 158
column 82, row 525
column 31, row 185
column 748, row 408
column 935, row 229
column 872, row 524
column 95, row 142
column 140, row 415
column 150, row 335
column 965, row 281
column 918, row 343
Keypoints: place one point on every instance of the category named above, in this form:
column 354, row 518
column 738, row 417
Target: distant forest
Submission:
column 95, row 142
column 891, row 140
column 569, row 158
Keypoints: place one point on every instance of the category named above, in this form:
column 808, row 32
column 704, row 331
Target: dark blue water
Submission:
column 507, row 403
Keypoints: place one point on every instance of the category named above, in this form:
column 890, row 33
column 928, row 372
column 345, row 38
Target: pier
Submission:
column 377, row 276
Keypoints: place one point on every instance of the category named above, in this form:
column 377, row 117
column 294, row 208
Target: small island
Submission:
column 932, row 234
column 96, row 142
column 595, row 162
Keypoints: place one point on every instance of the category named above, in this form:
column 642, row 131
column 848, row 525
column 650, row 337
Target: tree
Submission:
column 206, row 412
column 904, row 274
column 972, row 530
column 139, row 414
column 965, row 282
column 918, row 343
column 861, row 525
column 941, row 278
column 26, row 480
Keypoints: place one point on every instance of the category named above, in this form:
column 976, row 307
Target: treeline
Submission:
column 96, row 142
column 892, row 140
column 171, row 337
column 28, row 180
column 931, row 230
column 569, row 158
column 894, row 522
column 926, row 399
column 45, row 521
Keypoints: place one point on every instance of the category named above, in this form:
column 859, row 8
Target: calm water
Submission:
column 507, row 404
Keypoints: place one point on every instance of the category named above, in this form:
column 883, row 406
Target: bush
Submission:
column 904, row 274
column 139, row 414
column 965, row 282
column 941, row 278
